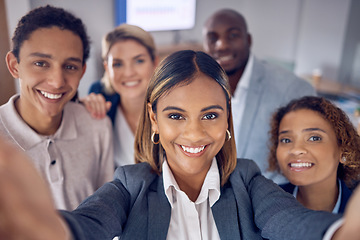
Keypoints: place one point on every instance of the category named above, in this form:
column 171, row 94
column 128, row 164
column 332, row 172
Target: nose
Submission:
column 194, row 131
column 298, row 148
column 129, row 70
column 56, row 78
column 221, row 44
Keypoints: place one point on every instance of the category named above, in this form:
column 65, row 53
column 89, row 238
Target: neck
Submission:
column 321, row 198
column 190, row 187
column 44, row 125
column 234, row 79
column 132, row 111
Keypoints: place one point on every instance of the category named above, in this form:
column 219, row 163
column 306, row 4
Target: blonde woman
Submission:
column 129, row 57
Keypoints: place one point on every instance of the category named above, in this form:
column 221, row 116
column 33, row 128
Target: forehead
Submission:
column 305, row 118
column 128, row 46
column 201, row 91
column 53, row 41
column 224, row 22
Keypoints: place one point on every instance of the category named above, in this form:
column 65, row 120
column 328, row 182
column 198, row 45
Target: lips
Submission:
column 131, row 83
column 193, row 151
column 225, row 58
column 52, row 96
column 300, row 166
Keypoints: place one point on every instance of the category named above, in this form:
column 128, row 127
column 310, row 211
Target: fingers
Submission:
column 351, row 225
column 96, row 105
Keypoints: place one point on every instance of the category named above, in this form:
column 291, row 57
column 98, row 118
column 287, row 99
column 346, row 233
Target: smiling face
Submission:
column 129, row 66
column 191, row 121
column 49, row 72
column 227, row 41
column 307, row 152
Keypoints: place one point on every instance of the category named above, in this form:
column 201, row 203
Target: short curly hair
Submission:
column 47, row 17
column 347, row 137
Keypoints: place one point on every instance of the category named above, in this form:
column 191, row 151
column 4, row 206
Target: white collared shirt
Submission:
column 240, row 93
column 192, row 220
column 123, row 140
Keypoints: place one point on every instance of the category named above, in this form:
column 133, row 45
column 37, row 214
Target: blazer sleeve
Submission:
column 101, row 216
column 105, row 214
column 278, row 214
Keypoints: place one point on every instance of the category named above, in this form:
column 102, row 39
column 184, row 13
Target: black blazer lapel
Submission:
column 159, row 211
column 225, row 215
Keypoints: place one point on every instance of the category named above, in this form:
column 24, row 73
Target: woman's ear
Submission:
column 342, row 158
column 12, row 64
column 152, row 116
column 105, row 64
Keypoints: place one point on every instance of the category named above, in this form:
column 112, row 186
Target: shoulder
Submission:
column 288, row 187
column 79, row 112
column 136, row 176
column 280, row 75
column 246, row 169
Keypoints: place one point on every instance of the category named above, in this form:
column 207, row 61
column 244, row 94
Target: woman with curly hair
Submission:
column 315, row 146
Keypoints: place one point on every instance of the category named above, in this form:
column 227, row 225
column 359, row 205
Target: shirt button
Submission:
column 53, row 162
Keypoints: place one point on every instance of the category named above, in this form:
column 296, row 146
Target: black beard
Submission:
column 231, row 72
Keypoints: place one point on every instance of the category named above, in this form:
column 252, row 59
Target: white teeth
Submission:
column 193, row 150
column 51, row 95
column 225, row 58
column 131, row 84
column 300, row 165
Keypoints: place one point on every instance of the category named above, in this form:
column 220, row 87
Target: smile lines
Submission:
column 51, row 95
column 192, row 150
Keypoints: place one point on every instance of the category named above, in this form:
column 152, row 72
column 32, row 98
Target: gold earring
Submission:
column 153, row 138
column 228, row 135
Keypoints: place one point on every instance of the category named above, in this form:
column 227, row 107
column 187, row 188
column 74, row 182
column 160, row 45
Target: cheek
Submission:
column 167, row 131
column 280, row 155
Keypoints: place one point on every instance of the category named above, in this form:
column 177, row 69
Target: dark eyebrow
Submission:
column 169, row 108
column 37, row 54
column 43, row 55
column 305, row 130
column 212, row 107
column 234, row 28
column 202, row 110
column 313, row 129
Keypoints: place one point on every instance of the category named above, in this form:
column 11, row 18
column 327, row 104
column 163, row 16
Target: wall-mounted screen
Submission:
column 156, row 15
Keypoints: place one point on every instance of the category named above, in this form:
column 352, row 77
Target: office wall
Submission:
column 309, row 34
column 7, row 86
column 350, row 63
column 321, row 37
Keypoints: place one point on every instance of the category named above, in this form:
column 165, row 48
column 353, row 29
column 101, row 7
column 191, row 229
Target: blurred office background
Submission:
column 301, row 35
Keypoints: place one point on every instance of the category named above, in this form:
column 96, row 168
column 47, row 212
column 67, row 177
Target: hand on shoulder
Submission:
column 96, row 105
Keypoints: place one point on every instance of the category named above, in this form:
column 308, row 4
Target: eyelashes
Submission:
column 207, row 116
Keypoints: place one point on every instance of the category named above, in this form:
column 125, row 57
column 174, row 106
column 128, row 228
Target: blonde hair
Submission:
column 120, row 33
column 180, row 68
